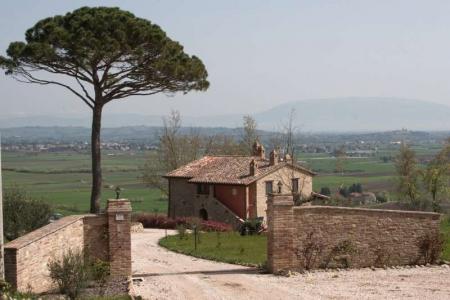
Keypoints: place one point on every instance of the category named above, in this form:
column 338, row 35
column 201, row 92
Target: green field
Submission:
column 64, row 179
column 372, row 172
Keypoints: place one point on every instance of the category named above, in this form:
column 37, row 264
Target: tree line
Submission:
column 416, row 185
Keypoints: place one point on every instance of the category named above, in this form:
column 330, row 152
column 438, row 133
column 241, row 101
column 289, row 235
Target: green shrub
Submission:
column 251, row 226
column 99, row 271
column 325, row 191
column 355, row 188
column 340, row 255
column 181, row 229
column 382, row 256
column 22, row 213
column 69, row 273
column 431, row 247
column 7, row 292
column 382, row 197
column 343, row 191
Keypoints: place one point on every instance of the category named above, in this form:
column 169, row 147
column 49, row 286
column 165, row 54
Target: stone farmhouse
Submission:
column 234, row 188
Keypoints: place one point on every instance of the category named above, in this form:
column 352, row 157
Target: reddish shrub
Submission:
column 215, row 226
column 164, row 222
column 158, row 221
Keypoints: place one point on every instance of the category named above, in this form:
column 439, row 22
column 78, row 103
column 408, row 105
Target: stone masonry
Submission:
column 187, row 203
column 26, row 258
column 339, row 237
column 280, row 233
column 119, row 223
column 105, row 237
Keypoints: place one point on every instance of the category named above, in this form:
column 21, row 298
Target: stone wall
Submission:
column 119, row 237
column 105, row 237
column 26, row 258
column 95, row 237
column 304, row 237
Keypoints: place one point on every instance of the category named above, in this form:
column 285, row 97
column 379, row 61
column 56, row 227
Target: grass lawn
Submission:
column 228, row 247
column 246, row 250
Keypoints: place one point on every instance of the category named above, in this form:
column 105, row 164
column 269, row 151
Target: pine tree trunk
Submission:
column 96, row 159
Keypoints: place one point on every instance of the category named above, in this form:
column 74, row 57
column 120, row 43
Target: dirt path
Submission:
column 168, row 275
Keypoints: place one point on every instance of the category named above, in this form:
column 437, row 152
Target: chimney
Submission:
column 288, row 158
column 258, row 150
column 253, row 167
column 274, row 158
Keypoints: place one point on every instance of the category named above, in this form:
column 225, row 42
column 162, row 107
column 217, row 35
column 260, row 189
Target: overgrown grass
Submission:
column 229, row 247
column 445, row 229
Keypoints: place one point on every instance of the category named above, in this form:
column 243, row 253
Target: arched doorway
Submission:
column 203, row 214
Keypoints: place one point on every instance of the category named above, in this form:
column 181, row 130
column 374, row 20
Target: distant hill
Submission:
column 320, row 115
column 360, row 114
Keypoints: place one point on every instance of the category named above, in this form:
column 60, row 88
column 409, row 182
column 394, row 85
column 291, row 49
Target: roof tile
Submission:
column 228, row 169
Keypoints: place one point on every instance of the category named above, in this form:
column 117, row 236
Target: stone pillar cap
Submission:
column 280, row 199
column 118, row 205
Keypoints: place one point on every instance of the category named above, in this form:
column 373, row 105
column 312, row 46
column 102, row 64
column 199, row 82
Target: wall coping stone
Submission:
column 42, row 232
column 369, row 211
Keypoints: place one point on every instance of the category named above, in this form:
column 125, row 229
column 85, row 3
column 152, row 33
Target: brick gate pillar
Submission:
column 119, row 224
column 280, row 223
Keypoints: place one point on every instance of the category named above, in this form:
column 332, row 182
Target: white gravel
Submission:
column 168, row 275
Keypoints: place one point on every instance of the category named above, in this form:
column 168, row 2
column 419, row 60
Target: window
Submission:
column 203, row 189
column 294, row 185
column 280, row 186
column 269, row 187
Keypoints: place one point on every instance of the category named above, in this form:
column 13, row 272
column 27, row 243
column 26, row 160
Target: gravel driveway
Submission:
column 168, row 275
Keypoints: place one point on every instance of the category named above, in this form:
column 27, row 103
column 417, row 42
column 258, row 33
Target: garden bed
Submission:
column 229, row 247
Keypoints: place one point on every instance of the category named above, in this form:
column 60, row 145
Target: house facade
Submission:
column 234, row 188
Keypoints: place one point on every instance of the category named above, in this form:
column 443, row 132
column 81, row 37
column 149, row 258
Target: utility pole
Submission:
column 2, row 260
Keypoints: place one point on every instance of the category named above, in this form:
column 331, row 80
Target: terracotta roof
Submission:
column 228, row 170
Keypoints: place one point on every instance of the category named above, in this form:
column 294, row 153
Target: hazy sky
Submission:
column 263, row 53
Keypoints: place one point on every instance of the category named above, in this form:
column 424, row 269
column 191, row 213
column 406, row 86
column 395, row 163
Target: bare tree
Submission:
column 436, row 176
column 406, row 165
column 221, row 145
column 287, row 139
column 175, row 149
column 250, row 134
column 289, row 133
column 341, row 156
